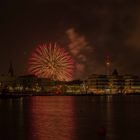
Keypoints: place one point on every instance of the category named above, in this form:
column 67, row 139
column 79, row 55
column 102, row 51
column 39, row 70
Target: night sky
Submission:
column 89, row 30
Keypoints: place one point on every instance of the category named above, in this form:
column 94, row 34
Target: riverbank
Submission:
column 18, row 95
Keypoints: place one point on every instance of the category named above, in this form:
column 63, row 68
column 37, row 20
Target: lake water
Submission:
column 70, row 118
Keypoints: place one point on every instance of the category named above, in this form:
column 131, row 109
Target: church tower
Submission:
column 11, row 71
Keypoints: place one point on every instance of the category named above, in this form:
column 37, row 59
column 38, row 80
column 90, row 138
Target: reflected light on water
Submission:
column 70, row 118
column 109, row 117
column 12, row 119
column 51, row 118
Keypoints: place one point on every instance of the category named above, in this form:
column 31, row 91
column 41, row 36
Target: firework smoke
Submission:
column 81, row 51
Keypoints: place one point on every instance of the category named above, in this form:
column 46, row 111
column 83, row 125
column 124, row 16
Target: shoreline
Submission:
column 19, row 95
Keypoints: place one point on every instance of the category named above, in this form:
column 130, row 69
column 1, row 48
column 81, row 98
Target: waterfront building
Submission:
column 35, row 84
column 132, row 84
column 94, row 84
column 97, row 84
column 7, row 82
column 112, row 84
column 73, row 87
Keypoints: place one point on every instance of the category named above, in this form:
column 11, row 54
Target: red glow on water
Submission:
column 51, row 118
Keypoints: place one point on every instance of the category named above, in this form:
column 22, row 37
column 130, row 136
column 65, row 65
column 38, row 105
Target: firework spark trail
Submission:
column 51, row 61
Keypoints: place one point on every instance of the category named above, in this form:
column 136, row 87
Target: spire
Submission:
column 11, row 71
column 115, row 72
column 108, row 63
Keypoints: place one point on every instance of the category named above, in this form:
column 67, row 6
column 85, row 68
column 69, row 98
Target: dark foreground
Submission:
column 70, row 118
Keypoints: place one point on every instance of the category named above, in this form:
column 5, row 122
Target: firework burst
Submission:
column 51, row 61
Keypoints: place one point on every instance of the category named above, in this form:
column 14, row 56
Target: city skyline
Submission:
column 90, row 31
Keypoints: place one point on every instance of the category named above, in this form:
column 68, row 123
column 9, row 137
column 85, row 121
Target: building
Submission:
column 112, row 84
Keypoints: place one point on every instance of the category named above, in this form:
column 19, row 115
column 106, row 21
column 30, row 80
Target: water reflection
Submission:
column 11, row 119
column 51, row 118
column 90, row 120
column 70, row 118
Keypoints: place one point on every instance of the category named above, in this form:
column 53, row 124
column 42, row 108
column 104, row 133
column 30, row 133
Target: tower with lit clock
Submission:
column 107, row 63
